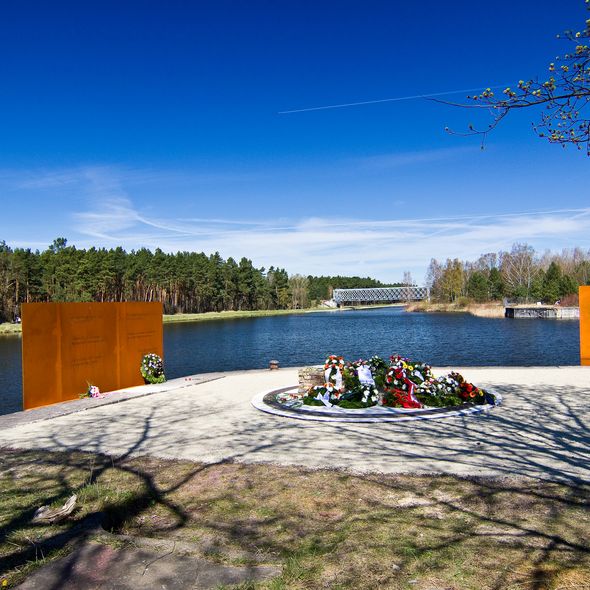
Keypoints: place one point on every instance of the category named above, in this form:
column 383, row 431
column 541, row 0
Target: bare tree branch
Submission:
column 563, row 95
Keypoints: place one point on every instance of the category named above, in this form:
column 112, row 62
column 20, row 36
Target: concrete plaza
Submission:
column 541, row 430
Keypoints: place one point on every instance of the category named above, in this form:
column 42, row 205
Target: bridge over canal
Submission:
column 380, row 295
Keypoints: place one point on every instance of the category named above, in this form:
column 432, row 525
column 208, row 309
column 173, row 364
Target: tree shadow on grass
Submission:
column 60, row 485
column 515, row 494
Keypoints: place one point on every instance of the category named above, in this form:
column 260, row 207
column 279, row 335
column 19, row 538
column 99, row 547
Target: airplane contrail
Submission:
column 396, row 99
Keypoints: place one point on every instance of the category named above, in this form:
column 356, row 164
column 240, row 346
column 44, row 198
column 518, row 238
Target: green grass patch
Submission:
column 327, row 529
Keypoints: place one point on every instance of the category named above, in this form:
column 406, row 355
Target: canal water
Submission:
column 304, row 339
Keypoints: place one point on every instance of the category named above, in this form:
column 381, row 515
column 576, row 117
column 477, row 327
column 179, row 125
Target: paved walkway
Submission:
column 94, row 565
column 542, row 430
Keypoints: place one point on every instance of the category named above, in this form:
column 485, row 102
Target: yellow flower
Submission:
column 4, row 583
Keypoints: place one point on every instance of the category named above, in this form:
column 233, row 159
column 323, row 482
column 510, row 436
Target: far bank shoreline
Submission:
column 483, row 310
column 232, row 315
column 12, row 329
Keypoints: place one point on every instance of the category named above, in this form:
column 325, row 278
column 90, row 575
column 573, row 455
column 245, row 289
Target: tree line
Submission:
column 185, row 282
column 519, row 275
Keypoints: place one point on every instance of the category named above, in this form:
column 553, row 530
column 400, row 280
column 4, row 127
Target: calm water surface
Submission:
column 441, row 339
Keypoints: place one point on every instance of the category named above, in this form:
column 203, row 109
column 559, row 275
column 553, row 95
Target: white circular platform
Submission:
column 267, row 402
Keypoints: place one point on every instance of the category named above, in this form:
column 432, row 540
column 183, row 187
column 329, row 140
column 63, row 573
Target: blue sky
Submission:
column 159, row 124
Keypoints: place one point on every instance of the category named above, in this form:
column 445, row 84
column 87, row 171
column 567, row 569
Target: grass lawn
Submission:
column 326, row 529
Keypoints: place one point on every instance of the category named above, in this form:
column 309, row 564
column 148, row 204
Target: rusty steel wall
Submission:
column 68, row 345
column 585, row 325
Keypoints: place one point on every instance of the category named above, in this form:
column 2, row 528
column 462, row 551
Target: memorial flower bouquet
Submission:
column 351, row 394
column 401, row 379
column 415, row 371
column 363, row 395
column 399, row 383
column 439, row 392
column 92, row 391
column 398, row 398
column 411, row 384
column 451, row 390
column 378, row 368
column 322, row 395
column 359, row 385
column 334, row 364
column 152, row 368
column 467, row 391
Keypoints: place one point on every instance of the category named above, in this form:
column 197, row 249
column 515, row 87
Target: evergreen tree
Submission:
column 478, row 286
column 551, row 283
column 496, row 284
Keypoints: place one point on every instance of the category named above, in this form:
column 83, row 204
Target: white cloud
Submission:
column 401, row 159
column 115, row 215
column 383, row 248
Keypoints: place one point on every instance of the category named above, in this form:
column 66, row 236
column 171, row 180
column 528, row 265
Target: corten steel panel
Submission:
column 41, row 336
column 89, row 349
column 141, row 331
column 68, row 345
column 585, row 325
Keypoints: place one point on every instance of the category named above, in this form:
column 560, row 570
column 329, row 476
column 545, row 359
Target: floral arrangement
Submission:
column 320, row 395
column 469, row 392
column 92, row 391
column 399, row 383
column 334, row 364
column 152, row 368
column 439, row 392
column 363, row 396
column 401, row 379
column 343, row 386
column 289, row 399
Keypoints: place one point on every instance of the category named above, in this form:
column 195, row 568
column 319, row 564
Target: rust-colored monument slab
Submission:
column 68, row 345
column 585, row 325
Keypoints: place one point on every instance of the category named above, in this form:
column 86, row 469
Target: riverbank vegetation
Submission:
column 321, row 528
column 229, row 315
column 185, row 282
column 493, row 309
column 10, row 328
column 520, row 275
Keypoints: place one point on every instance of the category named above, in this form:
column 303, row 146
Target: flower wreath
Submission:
column 333, row 364
column 152, row 368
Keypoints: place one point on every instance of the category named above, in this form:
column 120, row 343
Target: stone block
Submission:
column 310, row 376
